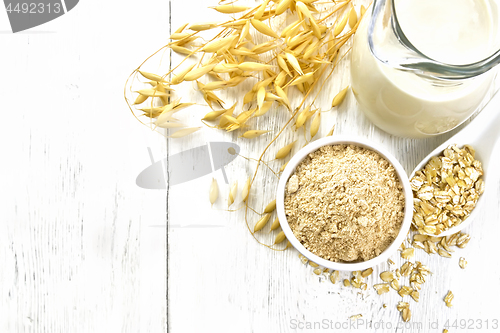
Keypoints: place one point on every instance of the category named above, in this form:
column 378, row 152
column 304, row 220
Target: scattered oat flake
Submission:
column 303, row 259
column 402, row 305
column 381, row 288
column 354, row 317
column 444, row 253
column 395, row 284
column 462, row 263
column 355, row 283
column 448, row 298
column 406, row 314
column 367, row 272
column 334, row 276
column 407, row 253
column 387, row 276
column 405, row 291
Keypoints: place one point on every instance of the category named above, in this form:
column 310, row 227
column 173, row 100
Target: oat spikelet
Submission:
column 315, row 124
column 270, row 207
column 282, row 63
column 282, row 6
column 218, row 44
column 253, row 66
column 276, row 224
column 303, row 9
column 281, row 93
column 225, row 68
column 280, row 238
column 181, row 28
column 170, row 124
column 341, row 25
column 140, row 99
column 202, row 26
column 353, row 17
column 302, row 79
column 213, row 115
column 232, row 193
column 283, row 152
column 280, row 80
column 303, row 116
column 263, row 110
column 331, row 131
column 180, row 76
column 198, row 72
column 181, row 50
column 179, row 36
column 294, row 62
column 261, row 95
column 253, row 133
column 183, row 132
column 214, row 191
column 263, row 28
column 246, row 190
column 160, row 87
column 261, row 223
column 230, row 9
column 151, row 76
column 339, row 98
column 152, row 93
column 259, row 12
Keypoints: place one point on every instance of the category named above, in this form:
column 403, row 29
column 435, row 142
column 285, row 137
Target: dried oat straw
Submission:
column 345, row 203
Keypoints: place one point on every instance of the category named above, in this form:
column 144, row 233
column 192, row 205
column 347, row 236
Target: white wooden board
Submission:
column 83, row 249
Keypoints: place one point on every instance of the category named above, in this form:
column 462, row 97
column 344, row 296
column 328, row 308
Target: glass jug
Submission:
column 422, row 67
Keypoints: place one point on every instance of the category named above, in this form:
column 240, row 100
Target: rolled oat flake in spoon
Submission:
column 449, row 183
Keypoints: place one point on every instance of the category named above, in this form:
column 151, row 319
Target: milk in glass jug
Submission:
column 422, row 67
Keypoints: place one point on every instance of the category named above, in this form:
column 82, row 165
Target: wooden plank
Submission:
column 228, row 281
column 78, row 249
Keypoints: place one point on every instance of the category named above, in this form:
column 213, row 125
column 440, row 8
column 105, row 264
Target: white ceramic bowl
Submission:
column 335, row 140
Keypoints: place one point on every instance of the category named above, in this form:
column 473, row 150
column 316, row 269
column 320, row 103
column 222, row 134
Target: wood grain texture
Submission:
column 83, row 249
column 77, row 246
column 221, row 279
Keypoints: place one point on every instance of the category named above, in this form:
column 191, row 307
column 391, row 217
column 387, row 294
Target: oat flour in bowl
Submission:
column 345, row 203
